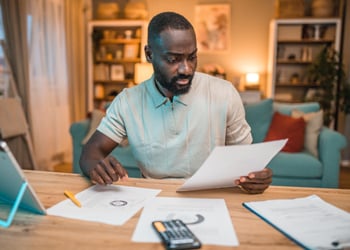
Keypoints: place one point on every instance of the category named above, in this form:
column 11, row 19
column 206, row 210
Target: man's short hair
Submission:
column 166, row 20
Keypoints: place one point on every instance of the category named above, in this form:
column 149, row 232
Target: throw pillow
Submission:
column 314, row 123
column 96, row 117
column 282, row 127
column 258, row 116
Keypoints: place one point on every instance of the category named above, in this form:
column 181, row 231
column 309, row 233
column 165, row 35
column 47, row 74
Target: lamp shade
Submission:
column 252, row 79
column 142, row 72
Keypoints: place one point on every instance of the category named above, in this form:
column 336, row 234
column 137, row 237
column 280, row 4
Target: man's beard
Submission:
column 173, row 87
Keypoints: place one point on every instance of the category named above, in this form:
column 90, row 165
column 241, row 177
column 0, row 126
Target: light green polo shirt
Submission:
column 173, row 139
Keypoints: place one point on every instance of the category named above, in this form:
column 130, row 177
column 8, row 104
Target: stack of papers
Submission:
column 208, row 219
column 112, row 204
column 310, row 222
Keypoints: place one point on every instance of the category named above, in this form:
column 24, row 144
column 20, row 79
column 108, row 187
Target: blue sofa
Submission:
column 289, row 169
column 302, row 168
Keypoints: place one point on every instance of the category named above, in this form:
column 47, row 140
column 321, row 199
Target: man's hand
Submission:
column 255, row 182
column 107, row 171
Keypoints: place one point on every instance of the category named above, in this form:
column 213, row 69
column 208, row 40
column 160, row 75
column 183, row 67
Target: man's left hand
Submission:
column 255, row 182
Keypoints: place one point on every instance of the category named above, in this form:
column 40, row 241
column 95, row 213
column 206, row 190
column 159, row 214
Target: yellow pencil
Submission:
column 72, row 198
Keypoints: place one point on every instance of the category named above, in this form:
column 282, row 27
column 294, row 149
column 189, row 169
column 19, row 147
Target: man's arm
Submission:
column 94, row 161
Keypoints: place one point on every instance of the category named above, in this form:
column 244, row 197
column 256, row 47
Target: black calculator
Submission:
column 176, row 235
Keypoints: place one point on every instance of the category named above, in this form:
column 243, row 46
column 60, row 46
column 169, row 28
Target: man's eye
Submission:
column 192, row 57
column 172, row 59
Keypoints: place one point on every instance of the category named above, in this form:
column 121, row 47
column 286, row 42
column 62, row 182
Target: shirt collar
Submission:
column 159, row 99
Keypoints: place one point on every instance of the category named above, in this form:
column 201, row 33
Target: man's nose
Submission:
column 184, row 67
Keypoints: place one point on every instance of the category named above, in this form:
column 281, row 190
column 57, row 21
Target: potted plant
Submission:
column 327, row 72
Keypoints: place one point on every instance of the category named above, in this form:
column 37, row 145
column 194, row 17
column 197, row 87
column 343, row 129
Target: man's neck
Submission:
column 163, row 90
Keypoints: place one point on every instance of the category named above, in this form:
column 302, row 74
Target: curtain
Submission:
column 14, row 21
column 48, row 82
column 76, row 15
column 15, row 26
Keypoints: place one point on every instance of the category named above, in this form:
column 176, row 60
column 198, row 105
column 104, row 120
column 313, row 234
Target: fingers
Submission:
column 253, row 188
column 264, row 176
column 119, row 171
column 107, row 171
column 266, row 173
column 256, row 182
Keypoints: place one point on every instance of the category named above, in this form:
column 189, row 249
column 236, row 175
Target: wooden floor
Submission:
column 344, row 179
column 64, row 167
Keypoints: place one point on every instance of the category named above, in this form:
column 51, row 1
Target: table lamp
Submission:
column 252, row 80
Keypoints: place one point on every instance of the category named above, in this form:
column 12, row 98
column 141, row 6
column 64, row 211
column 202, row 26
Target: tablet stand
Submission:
column 7, row 223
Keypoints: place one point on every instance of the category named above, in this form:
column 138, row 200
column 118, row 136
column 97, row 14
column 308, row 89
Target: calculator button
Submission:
column 181, row 241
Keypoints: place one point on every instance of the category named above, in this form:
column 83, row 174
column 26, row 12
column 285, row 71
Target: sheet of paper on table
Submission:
column 310, row 221
column 227, row 163
column 208, row 219
column 111, row 204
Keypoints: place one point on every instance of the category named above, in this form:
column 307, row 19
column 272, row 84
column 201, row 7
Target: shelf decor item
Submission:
column 131, row 51
column 117, row 72
column 107, row 11
column 136, row 10
column 289, row 8
column 214, row 70
column 322, row 8
column 99, row 91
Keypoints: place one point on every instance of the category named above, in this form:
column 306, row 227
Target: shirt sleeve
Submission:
column 238, row 130
column 112, row 125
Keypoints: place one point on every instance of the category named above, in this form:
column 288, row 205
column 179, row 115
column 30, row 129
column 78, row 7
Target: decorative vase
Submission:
column 322, row 8
column 107, row 11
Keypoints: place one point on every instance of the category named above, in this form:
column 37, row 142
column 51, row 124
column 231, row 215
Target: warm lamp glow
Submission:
column 252, row 79
column 143, row 71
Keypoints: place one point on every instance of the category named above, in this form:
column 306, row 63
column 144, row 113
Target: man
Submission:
column 174, row 119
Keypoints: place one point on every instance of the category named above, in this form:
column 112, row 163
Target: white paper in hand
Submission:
column 227, row 163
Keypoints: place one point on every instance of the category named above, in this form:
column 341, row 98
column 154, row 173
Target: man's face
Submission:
column 174, row 59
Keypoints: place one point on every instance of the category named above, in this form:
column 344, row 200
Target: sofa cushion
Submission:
column 127, row 159
column 284, row 126
column 296, row 165
column 286, row 108
column 314, row 124
column 258, row 116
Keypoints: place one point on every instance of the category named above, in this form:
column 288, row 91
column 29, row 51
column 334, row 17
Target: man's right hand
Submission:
column 107, row 171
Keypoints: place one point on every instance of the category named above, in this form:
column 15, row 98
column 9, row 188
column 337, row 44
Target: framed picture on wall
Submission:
column 117, row 72
column 212, row 25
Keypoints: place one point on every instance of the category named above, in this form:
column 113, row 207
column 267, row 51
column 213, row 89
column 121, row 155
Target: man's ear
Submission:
column 148, row 54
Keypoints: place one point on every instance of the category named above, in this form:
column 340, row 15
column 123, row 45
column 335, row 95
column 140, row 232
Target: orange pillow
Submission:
column 282, row 127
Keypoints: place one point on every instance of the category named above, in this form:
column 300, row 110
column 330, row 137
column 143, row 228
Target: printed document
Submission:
column 208, row 219
column 310, row 222
column 111, row 204
column 227, row 163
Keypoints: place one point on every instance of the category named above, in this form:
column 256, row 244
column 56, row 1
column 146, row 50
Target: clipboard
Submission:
column 310, row 222
column 14, row 187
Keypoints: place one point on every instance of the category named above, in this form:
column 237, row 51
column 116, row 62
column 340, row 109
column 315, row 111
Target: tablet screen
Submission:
column 11, row 180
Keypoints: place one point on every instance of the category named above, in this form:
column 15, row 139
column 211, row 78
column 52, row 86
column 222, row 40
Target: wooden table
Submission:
column 30, row 231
